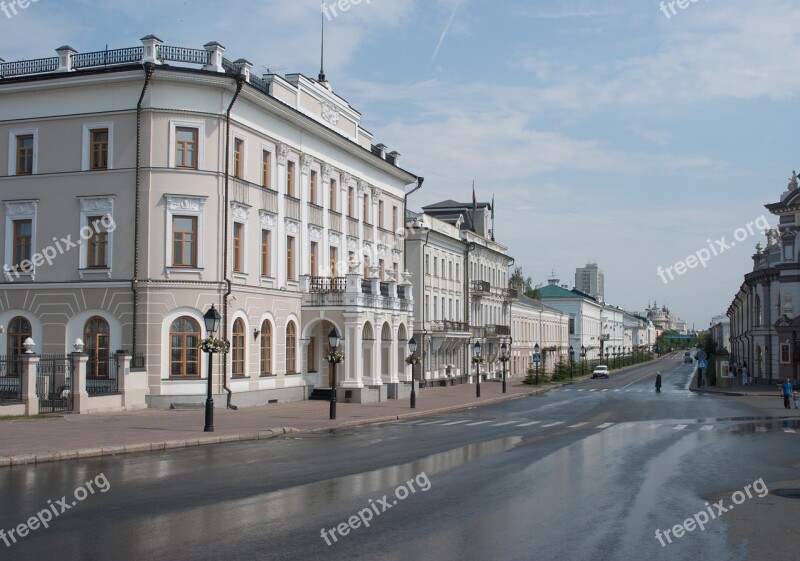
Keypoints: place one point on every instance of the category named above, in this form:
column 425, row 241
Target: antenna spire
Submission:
column 322, row 79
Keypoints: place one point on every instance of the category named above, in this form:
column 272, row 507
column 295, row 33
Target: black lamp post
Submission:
column 538, row 359
column 211, row 319
column 571, row 361
column 476, row 349
column 333, row 342
column 504, row 354
column 412, row 346
column 583, row 356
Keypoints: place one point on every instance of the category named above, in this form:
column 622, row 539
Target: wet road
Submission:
column 586, row 472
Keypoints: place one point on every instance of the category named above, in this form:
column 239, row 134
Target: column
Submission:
column 80, row 399
column 123, row 371
column 280, row 230
column 30, row 364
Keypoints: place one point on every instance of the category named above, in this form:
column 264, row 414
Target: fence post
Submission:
column 123, row 369
column 79, row 395
column 30, row 366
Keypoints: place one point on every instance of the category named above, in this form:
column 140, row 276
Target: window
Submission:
column 184, row 241
column 97, row 248
column 290, row 258
column 757, row 311
column 312, row 194
column 313, row 253
column 394, row 218
column 96, row 339
column 265, row 253
column 238, row 247
column 266, row 169
column 25, row 154
column 572, row 326
column 266, row 348
column 427, row 306
column 238, row 158
column 23, row 233
column 334, row 258
column 18, row 330
column 365, row 217
column 427, row 264
column 458, row 272
column 186, row 147
column 350, row 207
column 311, row 355
column 382, row 267
column 291, row 348
column 435, row 266
column 380, row 214
column 450, row 270
column 237, row 349
column 98, row 158
column 184, row 354
column 290, row 179
column 332, row 195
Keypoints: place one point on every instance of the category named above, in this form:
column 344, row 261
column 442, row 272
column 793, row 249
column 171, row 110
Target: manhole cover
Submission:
column 787, row 493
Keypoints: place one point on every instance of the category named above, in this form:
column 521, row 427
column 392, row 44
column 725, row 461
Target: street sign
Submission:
column 537, row 358
column 702, row 363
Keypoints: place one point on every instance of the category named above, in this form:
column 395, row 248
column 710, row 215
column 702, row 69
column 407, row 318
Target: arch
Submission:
column 291, row 348
column 368, row 334
column 238, row 348
column 97, row 342
column 265, row 346
column 19, row 329
column 386, row 332
column 402, row 333
column 184, row 354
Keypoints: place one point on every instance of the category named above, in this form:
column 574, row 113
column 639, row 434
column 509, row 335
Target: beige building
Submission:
column 145, row 184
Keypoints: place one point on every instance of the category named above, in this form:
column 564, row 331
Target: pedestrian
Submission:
column 732, row 371
column 786, row 390
column 744, row 374
column 796, row 399
column 658, row 382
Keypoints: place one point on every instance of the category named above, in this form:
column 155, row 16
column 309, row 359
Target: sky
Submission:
column 620, row 132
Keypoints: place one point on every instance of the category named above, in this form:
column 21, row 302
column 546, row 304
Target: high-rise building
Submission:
column 590, row 280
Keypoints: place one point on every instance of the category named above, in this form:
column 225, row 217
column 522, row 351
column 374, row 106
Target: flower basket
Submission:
column 334, row 357
column 504, row 358
column 477, row 360
column 413, row 360
column 213, row 345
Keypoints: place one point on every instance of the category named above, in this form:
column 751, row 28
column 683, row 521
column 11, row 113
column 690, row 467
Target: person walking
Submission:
column 796, row 398
column 786, row 390
column 744, row 374
column 658, row 382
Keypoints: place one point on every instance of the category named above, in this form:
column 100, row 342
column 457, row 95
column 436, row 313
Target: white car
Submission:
column 600, row 372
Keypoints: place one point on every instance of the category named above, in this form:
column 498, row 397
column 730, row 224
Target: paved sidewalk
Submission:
column 762, row 390
column 83, row 436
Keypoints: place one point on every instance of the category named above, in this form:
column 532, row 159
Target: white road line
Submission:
column 455, row 423
column 605, row 390
column 583, row 390
column 593, row 390
column 504, row 424
column 707, row 427
column 616, row 390
column 792, row 431
column 761, row 429
column 554, row 424
column 604, row 426
column 576, row 425
column 679, row 427
column 653, row 426
column 432, row 422
column 529, row 424
column 478, row 423
column 412, row 422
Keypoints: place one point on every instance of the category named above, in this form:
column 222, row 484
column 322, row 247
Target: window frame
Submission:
column 266, row 167
column 13, row 135
column 238, row 349
column 86, row 159
column 173, row 139
column 291, row 258
column 239, row 156
column 178, row 205
column 291, row 350
column 185, row 347
column 265, row 345
column 92, row 207
column 20, row 210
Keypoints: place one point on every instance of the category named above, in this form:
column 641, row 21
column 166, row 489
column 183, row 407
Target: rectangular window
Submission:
column 312, row 355
column 366, row 209
column 312, row 194
column 265, row 253
column 186, row 148
column 266, row 169
column 435, row 266
column 380, row 214
column 184, row 241
column 334, row 253
column 25, row 154
column 572, row 326
column 238, row 158
column 784, row 354
column 382, row 267
column 350, row 208
column 290, row 179
column 458, row 272
column 238, row 247
column 98, row 158
column 97, row 254
column 23, row 237
column 394, row 219
column 290, row 258
column 313, row 256
column 332, row 195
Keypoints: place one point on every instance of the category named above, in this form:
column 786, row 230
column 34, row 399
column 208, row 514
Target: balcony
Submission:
column 315, row 213
column 480, row 288
column 292, row 207
column 449, row 326
column 368, row 233
column 510, row 294
column 352, row 227
column 335, row 221
column 354, row 291
column 498, row 331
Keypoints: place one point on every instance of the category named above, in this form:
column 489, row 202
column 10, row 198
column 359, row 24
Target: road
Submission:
column 589, row 472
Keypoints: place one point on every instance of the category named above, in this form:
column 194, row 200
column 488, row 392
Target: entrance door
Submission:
column 96, row 339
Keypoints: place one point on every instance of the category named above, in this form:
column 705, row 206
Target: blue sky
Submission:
column 607, row 131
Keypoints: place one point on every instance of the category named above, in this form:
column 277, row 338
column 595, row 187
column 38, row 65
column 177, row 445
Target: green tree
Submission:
column 518, row 278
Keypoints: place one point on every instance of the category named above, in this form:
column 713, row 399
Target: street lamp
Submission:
column 504, row 355
column 583, row 356
column 333, row 342
column 412, row 346
column 571, row 362
column 536, row 361
column 476, row 349
column 211, row 319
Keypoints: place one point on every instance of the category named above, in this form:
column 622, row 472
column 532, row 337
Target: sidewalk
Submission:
column 71, row 437
column 737, row 389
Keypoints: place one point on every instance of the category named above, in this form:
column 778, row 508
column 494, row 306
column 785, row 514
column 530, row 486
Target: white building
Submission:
column 585, row 317
column 533, row 323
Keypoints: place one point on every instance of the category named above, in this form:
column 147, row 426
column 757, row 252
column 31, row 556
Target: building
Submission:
column 585, row 318
column 190, row 181
column 640, row 333
column 720, row 331
column 591, row 280
column 535, row 324
column 613, row 332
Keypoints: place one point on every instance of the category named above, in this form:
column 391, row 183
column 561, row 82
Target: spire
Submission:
column 322, row 79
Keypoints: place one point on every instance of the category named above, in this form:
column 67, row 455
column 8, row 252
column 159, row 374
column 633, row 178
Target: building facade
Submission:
column 591, row 280
column 535, row 324
column 585, row 318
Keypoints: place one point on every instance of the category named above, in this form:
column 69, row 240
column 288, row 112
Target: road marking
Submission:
column 529, row 424
column 792, row 431
column 413, row 422
column 653, row 426
column 679, row 427
column 576, row 425
column 761, row 429
column 707, row 427
column 605, row 390
column 616, row 390
column 432, row 422
column 478, row 423
column 593, row 390
column 583, row 390
column 455, row 423
column 554, row 424
column 504, row 424
column 604, row 426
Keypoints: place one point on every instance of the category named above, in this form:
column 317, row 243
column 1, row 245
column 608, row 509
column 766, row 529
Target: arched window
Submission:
column 184, row 354
column 368, row 334
column 18, row 330
column 291, row 348
column 386, row 332
column 96, row 341
column 266, row 349
column 237, row 349
column 757, row 311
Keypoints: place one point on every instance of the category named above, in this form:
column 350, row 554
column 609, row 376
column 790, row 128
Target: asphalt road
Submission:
column 587, row 472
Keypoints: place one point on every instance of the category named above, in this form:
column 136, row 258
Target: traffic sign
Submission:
column 702, row 363
column 537, row 358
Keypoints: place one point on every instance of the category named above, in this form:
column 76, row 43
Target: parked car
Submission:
column 687, row 357
column 600, row 372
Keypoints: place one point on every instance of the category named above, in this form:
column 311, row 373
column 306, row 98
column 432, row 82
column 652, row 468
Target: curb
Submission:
column 160, row 446
column 733, row 394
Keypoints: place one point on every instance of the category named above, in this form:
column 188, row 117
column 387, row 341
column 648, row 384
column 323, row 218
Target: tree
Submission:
column 517, row 279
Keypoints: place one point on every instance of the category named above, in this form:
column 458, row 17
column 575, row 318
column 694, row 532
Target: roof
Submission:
column 534, row 303
column 555, row 291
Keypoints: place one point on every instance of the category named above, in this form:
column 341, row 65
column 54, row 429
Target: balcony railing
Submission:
column 498, row 331
column 108, row 58
column 315, row 213
column 482, row 287
column 292, row 207
column 334, row 221
column 269, row 200
column 510, row 293
column 182, row 54
column 450, row 326
column 328, row 285
column 368, row 235
column 352, row 227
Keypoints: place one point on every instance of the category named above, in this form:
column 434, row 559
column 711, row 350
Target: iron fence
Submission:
column 10, row 379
